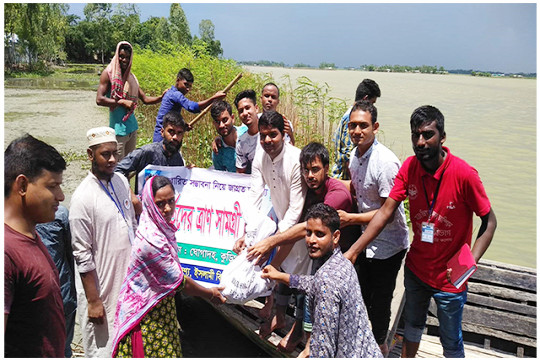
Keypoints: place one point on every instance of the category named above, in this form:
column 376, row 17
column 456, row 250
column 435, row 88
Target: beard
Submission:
column 171, row 147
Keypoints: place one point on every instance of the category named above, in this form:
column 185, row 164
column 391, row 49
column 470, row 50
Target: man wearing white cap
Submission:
column 103, row 224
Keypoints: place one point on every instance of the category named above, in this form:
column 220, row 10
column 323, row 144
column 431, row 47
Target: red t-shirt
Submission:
column 460, row 194
column 32, row 299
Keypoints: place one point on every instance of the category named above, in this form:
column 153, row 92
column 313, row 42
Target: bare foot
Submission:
column 305, row 352
column 292, row 339
column 384, row 349
column 266, row 311
column 268, row 327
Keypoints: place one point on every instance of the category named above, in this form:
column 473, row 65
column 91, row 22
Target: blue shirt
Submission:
column 225, row 159
column 176, row 101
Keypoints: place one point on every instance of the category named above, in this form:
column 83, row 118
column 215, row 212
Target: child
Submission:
column 340, row 321
column 175, row 99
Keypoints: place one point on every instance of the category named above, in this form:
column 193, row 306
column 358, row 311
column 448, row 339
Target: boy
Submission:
column 175, row 99
column 340, row 321
column 225, row 158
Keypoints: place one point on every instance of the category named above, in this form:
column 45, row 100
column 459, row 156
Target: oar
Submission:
column 227, row 88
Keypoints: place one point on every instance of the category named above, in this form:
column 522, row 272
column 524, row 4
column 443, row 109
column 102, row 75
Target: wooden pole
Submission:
column 227, row 88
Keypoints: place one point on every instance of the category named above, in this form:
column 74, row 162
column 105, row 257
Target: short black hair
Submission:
column 249, row 94
column 272, row 119
column 29, row 156
column 312, row 151
column 218, row 107
column 126, row 47
column 367, row 106
column 328, row 215
column 367, row 87
column 174, row 118
column 426, row 114
column 159, row 182
column 185, row 74
column 270, row 84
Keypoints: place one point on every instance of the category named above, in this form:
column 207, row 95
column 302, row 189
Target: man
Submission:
column 34, row 324
column 340, row 323
column 56, row 237
column 119, row 91
column 225, row 158
column 366, row 90
column 102, row 224
column 373, row 168
column 443, row 192
column 247, row 143
column 270, row 101
column 165, row 152
column 314, row 160
column 175, row 100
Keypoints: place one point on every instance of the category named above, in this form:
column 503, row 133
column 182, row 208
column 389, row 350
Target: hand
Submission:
column 128, row 104
column 219, row 95
column 258, row 251
column 96, row 312
column 239, row 245
column 287, row 128
column 216, row 144
column 217, row 297
column 189, row 127
column 344, row 218
column 190, row 166
column 350, row 256
column 449, row 275
column 270, row 272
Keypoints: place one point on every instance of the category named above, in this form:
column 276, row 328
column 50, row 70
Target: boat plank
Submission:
column 509, row 306
column 505, row 277
column 501, row 292
column 431, row 347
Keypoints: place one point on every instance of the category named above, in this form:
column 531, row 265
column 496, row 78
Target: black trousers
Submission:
column 377, row 281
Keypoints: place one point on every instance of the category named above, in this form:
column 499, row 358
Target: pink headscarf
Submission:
column 154, row 271
column 126, row 86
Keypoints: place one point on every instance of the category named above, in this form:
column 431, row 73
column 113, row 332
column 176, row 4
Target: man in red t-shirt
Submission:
column 443, row 192
column 34, row 324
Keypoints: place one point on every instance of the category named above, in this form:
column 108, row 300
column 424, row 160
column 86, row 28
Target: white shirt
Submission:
column 246, row 146
column 101, row 242
column 372, row 176
column 287, row 191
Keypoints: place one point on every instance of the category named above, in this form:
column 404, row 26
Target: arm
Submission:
column 289, row 131
column 263, row 247
column 376, row 225
column 96, row 311
column 149, row 100
column 205, row 103
column 213, row 294
column 347, row 219
column 270, row 272
column 485, row 235
column 103, row 100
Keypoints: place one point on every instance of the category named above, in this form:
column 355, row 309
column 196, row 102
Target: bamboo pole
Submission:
column 227, row 88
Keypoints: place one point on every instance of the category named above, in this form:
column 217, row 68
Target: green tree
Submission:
column 98, row 36
column 179, row 26
column 325, row 65
column 206, row 31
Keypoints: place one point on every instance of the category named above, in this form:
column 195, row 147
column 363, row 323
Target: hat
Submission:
column 101, row 135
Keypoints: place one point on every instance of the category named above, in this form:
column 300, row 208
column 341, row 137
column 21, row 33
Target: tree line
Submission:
column 38, row 35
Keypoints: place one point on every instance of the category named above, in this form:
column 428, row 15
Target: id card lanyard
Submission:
column 428, row 228
column 119, row 207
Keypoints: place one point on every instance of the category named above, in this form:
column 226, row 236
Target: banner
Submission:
column 209, row 214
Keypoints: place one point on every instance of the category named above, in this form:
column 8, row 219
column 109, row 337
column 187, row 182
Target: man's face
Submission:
column 123, row 58
column 361, row 130
column 43, row 195
column 104, row 159
column 165, row 202
column 183, row 86
column 315, row 173
column 172, row 137
column 427, row 142
column 224, row 123
column 319, row 238
column 271, row 140
column 270, row 98
column 247, row 111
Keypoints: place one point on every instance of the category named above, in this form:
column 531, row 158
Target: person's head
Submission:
column 270, row 96
column 427, row 133
column 322, row 230
column 173, row 130
column 164, row 198
column 314, row 161
column 246, row 104
column 102, row 151
column 32, row 177
column 124, row 54
column 221, row 112
column 363, row 125
column 184, row 81
column 271, row 132
column 367, row 90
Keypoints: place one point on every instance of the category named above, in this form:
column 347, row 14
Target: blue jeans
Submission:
column 449, row 313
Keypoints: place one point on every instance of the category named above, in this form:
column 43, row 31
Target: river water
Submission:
column 489, row 122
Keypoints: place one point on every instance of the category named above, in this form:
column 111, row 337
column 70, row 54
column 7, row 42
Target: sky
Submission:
column 481, row 36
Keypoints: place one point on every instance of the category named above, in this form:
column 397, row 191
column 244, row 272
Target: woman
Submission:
column 145, row 322
column 119, row 90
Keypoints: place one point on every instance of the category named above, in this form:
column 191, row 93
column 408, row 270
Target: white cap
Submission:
column 101, row 135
